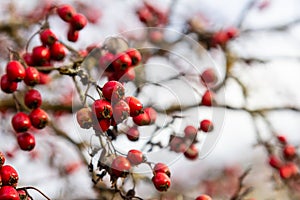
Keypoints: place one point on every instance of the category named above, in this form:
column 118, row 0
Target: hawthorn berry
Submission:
column 203, row 197
column 39, row 118
column 105, row 61
column 142, row 119
column 121, row 111
column 207, row 98
column 133, row 134
column 206, row 125
column 145, row 15
column 33, row 99
column 101, row 125
column 84, row 118
column 282, row 139
column 113, row 91
column 136, row 107
column 20, row 122
column 161, row 168
column 23, row 195
column 285, row 172
column 57, row 51
column 232, row 32
column 32, row 76
column 72, row 35
column 135, row 56
column 78, row 21
column 40, row 55
column 289, row 152
column 102, row 109
column 9, row 193
column 161, row 181
column 274, row 161
column 209, row 77
column 190, row 132
column 177, row 145
column 26, row 141
column 192, row 152
column 28, row 59
column 44, row 78
column 2, row 159
column 66, row 12
column 220, row 38
column 120, row 166
column 15, row 71
column 122, row 62
column 8, row 86
column 9, row 175
column 135, row 157
column 125, row 75
column 48, row 37
column 151, row 113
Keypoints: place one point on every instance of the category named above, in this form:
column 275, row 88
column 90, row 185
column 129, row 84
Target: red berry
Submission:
column 133, row 134
column 142, row 119
column 207, row 98
column 105, row 61
column 204, row 197
column 84, row 118
column 66, row 12
column 275, row 162
column 48, row 37
column 101, row 125
column 190, row 132
column 206, row 125
column 39, row 118
column 135, row 56
column 113, row 90
column 28, row 59
column 177, row 145
column 220, row 38
column 282, row 139
column 122, row 62
column 33, row 99
column 161, row 168
column 151, row 113
column 102, row 109
column 121, row 111
column 232, row 32
column 8, row 86
column 44, row 78
column 145, row 15
column 40, row 55
column 57, row 51
column 2, row 160
column 78, row 21
column 161, row 182
column 21, row 122
column 125, row 75
column 120, row 166
column 9, row 193
column 289, row 152
column 135, row 106
column 9, row 175
column 135, row 157
column 285, row 172
column 73, row 35
column 15, row 71
column 192, row 152
column 209, row 77
column 26, row 141
column 23, row 195
column 32, row 76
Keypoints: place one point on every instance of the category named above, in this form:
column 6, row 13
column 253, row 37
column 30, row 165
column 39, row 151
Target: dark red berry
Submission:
column 32, row 76
column 145, row 15
column 275, row 162
column 78, row 21
column 203, row 197
column 9, row 193
column 135, row 56
column 101, row 124
column 133, row 134
column 66, row 12
column 161, row 182
column 102, row 109
column 9, row 175
column 190, row 132
column 8, row 86
column 161, row 168
column 73, row 35
column 2, row 160
column 20, row 122
column 120, row 166
column 207, row 98
column 125, row 75
column 57, row 51
column 121, row 111
column 28, row 59
column 206, row 125
column 26, row 141
column 113, row 91
column 33, row 99
column 142, row 119
column 105, row 61
column 84, row 118
column 48, row 37
column 289, row 152
column 40, row 55
column 136, row 107
column 122, row 62
column 151, row 113
column 192, row 152
column 282, row 139
column 15, row 71
column 232, row 32
column 135, row 157
column 39, row 118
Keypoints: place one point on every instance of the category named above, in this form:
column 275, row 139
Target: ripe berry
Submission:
column 28, row 59
column 57, row 51
column 135, row 106
column 145, row 15
column 282, row 139
column 232, row 32
column 21, row 122
column 285, row 172
column 133, row 134
column 44, row 78
column 192, row 152
column 142, row 119
column 204, row 197
column 275, row 162
column 122, row 62
column 135, row 157
column 113, row 90
column 2, row 160
column 105, row 61
column 9, row 175
column 151, row 113
column 8, row 86
column 209, row 77
column 101, row 125
column 33, row 99
column 15, row 71
column 48, row 37
column 26, row 141
column 73, row 35
column 120, row 166
column 190, row 132
column 40, row 55
column 78, row 21
column 206, row 125
column 38, row 118
column 121, row 111
column 161, row 168
column 207, row 98
column 125, row 75
column 102, row 109
column 161, row 182
column 9, row 193
column 84, row 118
column 220, row 38
column 66, row 12
column 32, row 76
column 135, row 56
column 289, row 152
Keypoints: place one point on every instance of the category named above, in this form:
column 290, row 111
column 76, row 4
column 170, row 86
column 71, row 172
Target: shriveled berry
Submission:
column 120, row 166
column 84, row 118
column 121, row 111
column 33, row 99
column 9, row 193
column 66, row 12
column 15, row 71
column 9, row 175
column 48, row 37
column 78, row 21
column 135, row 157
column 32, row 76
column 8, row 86
column 206, row 125
column 57, row 51
column 20, row 122
column 136, row 107
column 161, row 182
column 133, row 134
column 102, row 109
column 161, row 168
column 39, row 118
column 26, row 141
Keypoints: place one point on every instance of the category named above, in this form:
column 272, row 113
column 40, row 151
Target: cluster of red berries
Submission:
column 223, row 36
column 151, row 16
column 186, row 144
column 285, row 165
column 120, row 67
column 113, row 109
